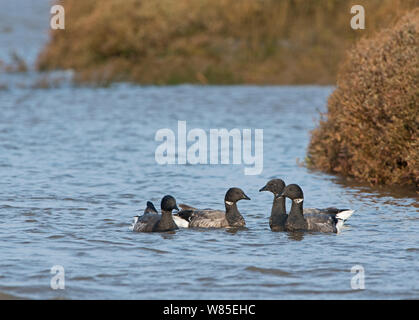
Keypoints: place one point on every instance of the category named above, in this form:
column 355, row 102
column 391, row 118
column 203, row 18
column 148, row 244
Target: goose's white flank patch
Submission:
column 181, row 223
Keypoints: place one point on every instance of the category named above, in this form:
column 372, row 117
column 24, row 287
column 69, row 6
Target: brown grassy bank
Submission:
column 210, row 41
column 371, row 130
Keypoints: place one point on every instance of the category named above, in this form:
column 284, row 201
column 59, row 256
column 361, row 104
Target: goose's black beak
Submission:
column 263, row 189
column 176, row 208
column 245, row 197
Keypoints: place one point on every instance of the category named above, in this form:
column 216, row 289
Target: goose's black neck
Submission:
column 166, row 222
column 278, row 206
column 278, row 214
column 297, row 209
column 296, row 219
column 233, row 215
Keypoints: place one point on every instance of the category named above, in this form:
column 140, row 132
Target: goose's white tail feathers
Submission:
column 342, row 217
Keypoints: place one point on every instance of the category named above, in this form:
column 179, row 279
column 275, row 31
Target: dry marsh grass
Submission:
column 210, row 41
column 371, row 129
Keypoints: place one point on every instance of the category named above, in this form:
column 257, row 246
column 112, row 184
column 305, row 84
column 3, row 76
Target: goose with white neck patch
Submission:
column 299, row 221
column 209, row 218
column 279, row 215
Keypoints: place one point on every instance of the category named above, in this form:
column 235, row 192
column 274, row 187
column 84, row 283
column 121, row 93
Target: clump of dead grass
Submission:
column 209, row 41
column 371, row 129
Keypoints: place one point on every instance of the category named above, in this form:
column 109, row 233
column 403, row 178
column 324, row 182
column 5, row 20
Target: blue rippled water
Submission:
column 77, row 163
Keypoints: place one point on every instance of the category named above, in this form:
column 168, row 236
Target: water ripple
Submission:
column 74, row 174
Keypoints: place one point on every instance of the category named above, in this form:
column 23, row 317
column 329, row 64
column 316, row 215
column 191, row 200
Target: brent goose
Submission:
column 297, row 221
column 278, row 214
column 153, row 222
column 209, row 218
column 181, row 223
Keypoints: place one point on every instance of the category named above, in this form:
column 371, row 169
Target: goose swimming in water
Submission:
column 209, row 218
column 315, row 221
column 151, row 221
column 181, row 223
column 279, row 215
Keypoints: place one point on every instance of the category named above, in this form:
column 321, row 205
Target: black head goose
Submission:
column 278, row 213
column 151, row 221
column 316, row 221
column 209, row 218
